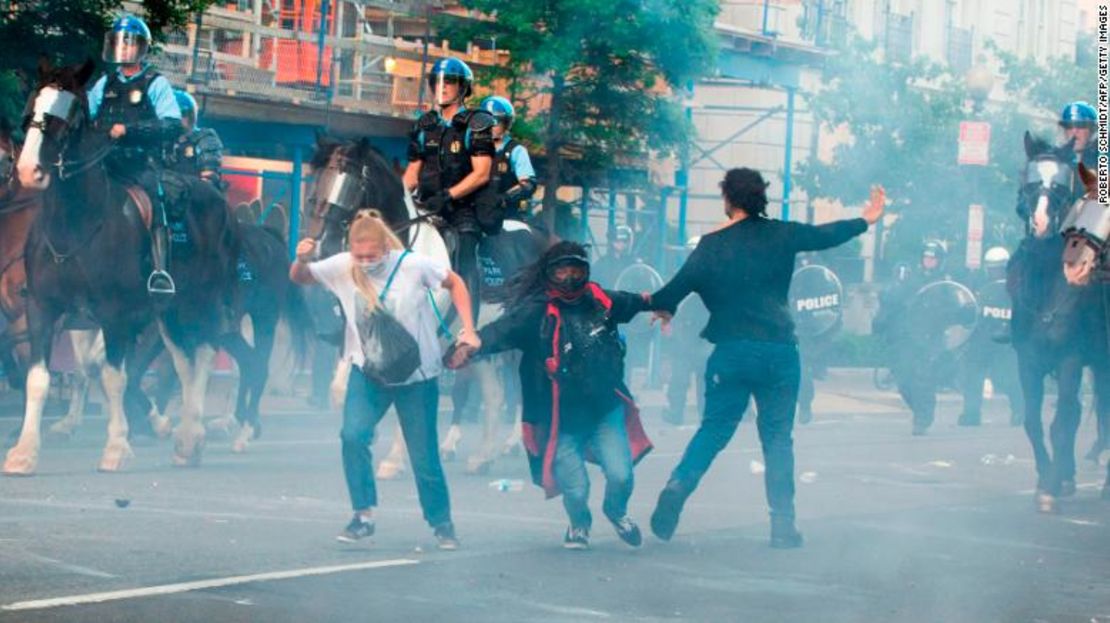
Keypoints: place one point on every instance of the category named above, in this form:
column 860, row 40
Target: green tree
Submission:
column 605, row 70
column 904, row 122
column 68, row 31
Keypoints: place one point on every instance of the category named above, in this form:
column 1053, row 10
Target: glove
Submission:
column 438, row 203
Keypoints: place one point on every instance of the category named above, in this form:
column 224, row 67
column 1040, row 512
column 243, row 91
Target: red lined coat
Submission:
column 534, row 327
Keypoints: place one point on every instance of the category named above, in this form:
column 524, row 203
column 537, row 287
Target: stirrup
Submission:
column 153, row 287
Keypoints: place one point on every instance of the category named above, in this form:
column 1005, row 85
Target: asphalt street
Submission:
column 898, row 528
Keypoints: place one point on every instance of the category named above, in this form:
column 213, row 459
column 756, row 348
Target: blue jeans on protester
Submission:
column 417, row 406
column 608, row 444
column 736, row 372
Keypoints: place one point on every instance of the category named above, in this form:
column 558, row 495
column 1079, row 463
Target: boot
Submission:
column 160, row 282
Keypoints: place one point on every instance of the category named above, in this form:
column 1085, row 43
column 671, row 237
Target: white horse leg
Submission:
column 23, row 458
column 117, row 452
column 393, row 465
column 88, row 351
column 486, row 372
column 189, row 434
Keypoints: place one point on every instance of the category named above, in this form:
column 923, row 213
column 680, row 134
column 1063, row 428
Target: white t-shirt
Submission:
column 407, row 300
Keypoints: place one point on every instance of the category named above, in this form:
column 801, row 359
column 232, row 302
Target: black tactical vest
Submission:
column 127, row 103
column 506, row 176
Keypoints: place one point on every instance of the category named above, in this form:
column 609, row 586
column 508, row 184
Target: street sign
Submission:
column 975, row 143
column 974, row 236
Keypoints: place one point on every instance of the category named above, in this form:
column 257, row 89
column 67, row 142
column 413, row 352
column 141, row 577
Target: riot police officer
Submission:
column 198, row 152
column 816, row 299
column 451, row 152
column 989, row 353
column 135, row 106
column 617, row 258
column 516, row 179
column 913, row 329
column 688, row 353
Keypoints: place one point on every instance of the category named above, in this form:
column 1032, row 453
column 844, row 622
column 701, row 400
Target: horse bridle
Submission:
column 67, row 107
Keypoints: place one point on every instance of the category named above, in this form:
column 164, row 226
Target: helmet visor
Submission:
column 124, row 48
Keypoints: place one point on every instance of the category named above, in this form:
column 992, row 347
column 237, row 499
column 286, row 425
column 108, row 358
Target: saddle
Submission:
column 139, row 205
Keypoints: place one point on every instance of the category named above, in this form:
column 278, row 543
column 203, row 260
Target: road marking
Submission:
column 65, row 566
column 183, row 587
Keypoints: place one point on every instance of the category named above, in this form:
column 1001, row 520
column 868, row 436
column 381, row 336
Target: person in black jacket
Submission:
column 571, row 373
column 742, row 272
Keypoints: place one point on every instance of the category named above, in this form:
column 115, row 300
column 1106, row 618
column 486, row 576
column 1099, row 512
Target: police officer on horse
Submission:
column 135, row 106
column 516, row 178
column 1077, row 120
column 198, row 152
column 451, row 153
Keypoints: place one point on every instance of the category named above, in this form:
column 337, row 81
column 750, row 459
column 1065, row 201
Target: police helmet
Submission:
column 188, row 106
column 451, row 69
column 1078, row 115
column 623, row 233
column 501, row 109
column 127, row 42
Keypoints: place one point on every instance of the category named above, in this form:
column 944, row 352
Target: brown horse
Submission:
column 18, row 207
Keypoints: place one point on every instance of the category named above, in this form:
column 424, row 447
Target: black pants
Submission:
column 464, row 261
column 984, row 359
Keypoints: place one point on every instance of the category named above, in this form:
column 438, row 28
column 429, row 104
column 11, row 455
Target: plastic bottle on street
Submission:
column 505, row 485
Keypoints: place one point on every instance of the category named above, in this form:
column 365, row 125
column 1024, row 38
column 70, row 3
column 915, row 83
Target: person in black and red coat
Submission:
column 576, row 406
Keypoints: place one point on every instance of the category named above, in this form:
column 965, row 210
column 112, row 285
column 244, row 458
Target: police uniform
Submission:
column 514, row 171
column 916, row 379
column 144, row 104
column 445, row 150
column 990, row 355
column 199, row 154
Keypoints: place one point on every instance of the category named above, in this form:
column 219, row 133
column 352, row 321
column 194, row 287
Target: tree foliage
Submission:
column 68, row 31
column 904, row 122
column 595, row 80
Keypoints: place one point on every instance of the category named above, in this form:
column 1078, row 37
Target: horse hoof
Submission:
column 1046, row 503
column 479, row 468
column 222, row 426
column 116, row 457
column 62, row 430
column 187, row 451
column 388, row 470
column 242, row 440
column 21, row 462
column 450, row 446
column 161, row 424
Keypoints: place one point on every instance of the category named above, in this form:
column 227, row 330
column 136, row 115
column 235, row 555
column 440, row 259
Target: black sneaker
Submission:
column 665, row 518
column 445, row 536
column 577, row 538
column 358, row 529
column 628, row 531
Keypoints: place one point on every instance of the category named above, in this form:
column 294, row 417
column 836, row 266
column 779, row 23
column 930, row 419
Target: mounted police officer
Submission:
column 1077, row 121
column 516, row 179
column 198, row 152
column 135, row 106
column 989, row 353
column 451, row 170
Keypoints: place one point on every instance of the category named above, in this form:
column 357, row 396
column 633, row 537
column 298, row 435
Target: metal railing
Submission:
column 229, row 51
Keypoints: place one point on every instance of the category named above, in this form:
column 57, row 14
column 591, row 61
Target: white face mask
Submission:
column 372, row 268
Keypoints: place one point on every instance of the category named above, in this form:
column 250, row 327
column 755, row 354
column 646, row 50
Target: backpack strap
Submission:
column 389, row 282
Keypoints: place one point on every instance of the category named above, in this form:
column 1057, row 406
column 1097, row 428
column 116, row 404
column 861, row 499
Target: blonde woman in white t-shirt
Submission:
column 357, row 278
